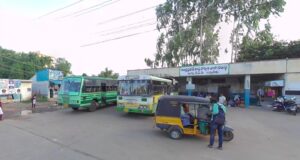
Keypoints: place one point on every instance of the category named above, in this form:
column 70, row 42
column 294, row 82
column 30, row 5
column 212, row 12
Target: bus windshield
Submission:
column 134, row 87
column 71, row 85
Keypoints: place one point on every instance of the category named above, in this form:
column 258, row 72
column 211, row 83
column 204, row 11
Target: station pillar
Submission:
column 247, row 90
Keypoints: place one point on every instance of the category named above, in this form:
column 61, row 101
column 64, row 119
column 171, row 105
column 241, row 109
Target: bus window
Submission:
column 72, row 85
column 103, row 87
column 124, row 88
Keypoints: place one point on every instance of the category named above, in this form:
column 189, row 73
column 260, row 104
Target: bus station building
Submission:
column 47, row 82
column 276, row 77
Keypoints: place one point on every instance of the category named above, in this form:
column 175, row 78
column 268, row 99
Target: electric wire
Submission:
column 127, row 25
column 60, row 9
column 105, row 5
column 127, row 29
column 126, row 15
column 117, row 38
column 91, row 7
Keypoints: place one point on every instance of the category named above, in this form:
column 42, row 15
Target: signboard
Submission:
column 217, row 69
column 9, row 86
column 276, row 83
column 55, row 75
column 190, row 86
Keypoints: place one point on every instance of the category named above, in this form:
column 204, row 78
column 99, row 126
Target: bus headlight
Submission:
column 142, row 107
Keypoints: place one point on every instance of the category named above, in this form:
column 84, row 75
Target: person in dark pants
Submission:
column 214, row 126
column 33, row 100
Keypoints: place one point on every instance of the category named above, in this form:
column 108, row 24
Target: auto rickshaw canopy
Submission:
column 171, row 105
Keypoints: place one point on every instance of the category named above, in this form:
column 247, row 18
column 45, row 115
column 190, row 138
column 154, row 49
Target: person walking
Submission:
column 1, row 111
column 217, row 122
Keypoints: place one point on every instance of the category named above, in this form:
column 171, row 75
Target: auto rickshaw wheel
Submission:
column 228, row 135
column 93, row 106
column 175, row 133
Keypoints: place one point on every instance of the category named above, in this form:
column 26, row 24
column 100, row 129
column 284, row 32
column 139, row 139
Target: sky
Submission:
column 84, row 37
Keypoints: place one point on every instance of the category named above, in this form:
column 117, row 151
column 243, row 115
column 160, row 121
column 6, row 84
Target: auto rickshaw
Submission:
column 168, row 117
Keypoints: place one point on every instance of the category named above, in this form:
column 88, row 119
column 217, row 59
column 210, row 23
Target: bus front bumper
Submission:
column 74, row 105
column 133, row 110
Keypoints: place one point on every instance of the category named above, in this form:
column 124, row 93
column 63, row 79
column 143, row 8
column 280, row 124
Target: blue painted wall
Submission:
column 48, row 74
column 42, row 75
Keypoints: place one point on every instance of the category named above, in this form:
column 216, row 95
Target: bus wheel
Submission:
column 93, row 106
column 75, row 109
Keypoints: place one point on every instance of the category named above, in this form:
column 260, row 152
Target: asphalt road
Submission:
column 107, row 135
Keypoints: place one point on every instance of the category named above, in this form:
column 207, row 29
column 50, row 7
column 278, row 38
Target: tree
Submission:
column 253, row 50
column 108, row 74
column 14, row 65
column 263, row 47
column 84, row 74
column 189, row 31
column 63, row 65
column 247, row 16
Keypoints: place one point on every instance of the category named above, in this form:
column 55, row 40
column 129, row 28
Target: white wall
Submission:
column 292, row 83
column 259, row 67
column 26, row 90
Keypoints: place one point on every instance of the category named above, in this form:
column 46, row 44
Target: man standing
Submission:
column 33, row 100
column 259, row 95
column 218, row 112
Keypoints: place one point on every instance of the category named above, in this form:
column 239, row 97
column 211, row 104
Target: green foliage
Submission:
column 14, row 65
column 189, row 32
column 108, row 74
column 41, row 98
column 84, row 74
column 63, row 65
column 261, row 48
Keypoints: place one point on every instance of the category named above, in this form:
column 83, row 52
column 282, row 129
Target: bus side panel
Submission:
column 110, row 96
column 87, row 99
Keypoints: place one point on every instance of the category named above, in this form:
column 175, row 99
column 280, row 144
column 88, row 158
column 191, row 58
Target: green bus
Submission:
column 88, row 92
column 140, row 93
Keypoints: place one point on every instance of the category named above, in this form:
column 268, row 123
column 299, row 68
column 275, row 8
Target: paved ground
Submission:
column 14, row 109
column 106, row 135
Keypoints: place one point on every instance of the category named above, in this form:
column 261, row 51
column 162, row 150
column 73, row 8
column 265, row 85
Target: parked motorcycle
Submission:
column 284, row 104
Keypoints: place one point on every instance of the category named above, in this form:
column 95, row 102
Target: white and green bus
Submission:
column 140, row 94
column 88, row 92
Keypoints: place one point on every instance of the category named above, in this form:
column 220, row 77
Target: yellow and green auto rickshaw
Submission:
column 168, row 117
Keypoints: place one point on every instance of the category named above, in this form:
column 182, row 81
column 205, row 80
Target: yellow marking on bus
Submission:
column 66, row 105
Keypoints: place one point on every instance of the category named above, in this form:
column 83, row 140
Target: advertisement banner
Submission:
column 275, row 83
column 55, row 75
column 217, row 69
